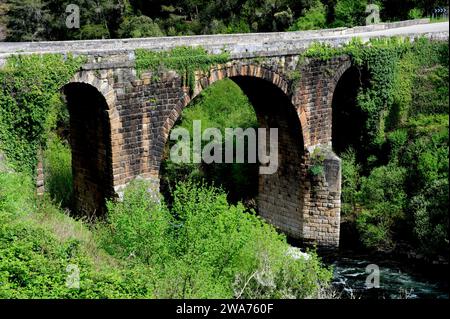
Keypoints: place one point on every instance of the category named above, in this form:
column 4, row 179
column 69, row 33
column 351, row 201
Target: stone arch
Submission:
column 280, row 195
column 344, row 65
column 91, row 105
column 102, row 85
column 347, row 120
column 220, row 73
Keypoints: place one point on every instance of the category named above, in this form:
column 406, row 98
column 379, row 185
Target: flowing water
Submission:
column 350, row 276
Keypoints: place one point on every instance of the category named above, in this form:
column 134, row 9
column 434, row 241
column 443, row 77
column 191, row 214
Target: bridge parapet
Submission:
column 238, row 45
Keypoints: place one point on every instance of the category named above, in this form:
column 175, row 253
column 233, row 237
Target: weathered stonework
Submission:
column 141, row 112
column 120, row 123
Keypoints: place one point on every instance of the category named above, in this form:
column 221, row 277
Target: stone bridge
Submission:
column 120, row 122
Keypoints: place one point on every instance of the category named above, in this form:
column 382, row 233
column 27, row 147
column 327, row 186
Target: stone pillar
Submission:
column 40, row 177
column 321, row 219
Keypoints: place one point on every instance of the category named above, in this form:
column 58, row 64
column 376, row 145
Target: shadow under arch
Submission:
column 348, row 120
column 348, row 132
column 90, row 141
column 281, row 194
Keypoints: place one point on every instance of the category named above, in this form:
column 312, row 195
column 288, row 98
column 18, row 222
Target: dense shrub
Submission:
column 350, row 182
column 58, row 171
column 38, row 243
column 384, row 199
column 138, row 227
column 139, row 27
column 30, row 103
column 415, row 13
column 349, row 13
column 314, row 18
column 206, row 248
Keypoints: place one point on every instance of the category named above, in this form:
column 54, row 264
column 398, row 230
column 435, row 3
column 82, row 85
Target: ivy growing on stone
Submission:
column 30, row 103
column 379, row 57
column 184, row 60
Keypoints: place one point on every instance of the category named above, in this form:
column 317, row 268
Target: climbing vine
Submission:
column 395, row 182
column 379, row 58
column 384, row 61
column 184, row 60
column 30, row 103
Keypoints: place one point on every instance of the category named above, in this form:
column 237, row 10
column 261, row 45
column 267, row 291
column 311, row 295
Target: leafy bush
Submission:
column 38, row 242
column 415, row 13
column 313, row 18
column 16, row 196
column 238, row 26
column 138, row 227
column 350, row 182
column 207, row 248
column 139, row 27
column 349, row 13
column 384, row 198
column 94, row 31
column 58, row 171
column 397, row 140
column 431, row 219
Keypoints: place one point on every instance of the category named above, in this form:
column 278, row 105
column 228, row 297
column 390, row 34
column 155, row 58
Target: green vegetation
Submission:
column 185, row 60
column 222, row 105
column 38, row 242
column 58, row 171
column 139, row 27
column 33, row 20
column 350, row 13
column 314, row 18
column 201, row 248
column 201, row 241
column 31, row 105
column 395, row 183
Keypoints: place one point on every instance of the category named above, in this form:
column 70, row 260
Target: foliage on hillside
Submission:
column 201, row 248
column 31, row 105
column 33, row 20
column 399, row 190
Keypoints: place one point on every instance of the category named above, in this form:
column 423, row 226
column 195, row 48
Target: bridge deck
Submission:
column 239, row 45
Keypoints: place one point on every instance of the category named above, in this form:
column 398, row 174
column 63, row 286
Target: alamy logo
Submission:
column 73, row 276
column 373, row 279
column 212, row 152
column 374, row 16
column 73, row 19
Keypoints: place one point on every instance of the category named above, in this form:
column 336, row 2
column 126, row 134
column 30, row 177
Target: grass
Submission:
column 438, row 20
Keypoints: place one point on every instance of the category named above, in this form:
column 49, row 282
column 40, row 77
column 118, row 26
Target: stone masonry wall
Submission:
column 142, row 112
column 138, row 113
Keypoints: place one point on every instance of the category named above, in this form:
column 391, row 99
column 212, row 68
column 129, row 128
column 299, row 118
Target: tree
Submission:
column 349, row 13
column 139, row 27
column 314, row 18
column 27, row 20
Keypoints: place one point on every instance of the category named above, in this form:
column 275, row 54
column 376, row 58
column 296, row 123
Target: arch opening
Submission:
column 279, row 196
column 90, row 142
column 348, row 119
column 349, row 143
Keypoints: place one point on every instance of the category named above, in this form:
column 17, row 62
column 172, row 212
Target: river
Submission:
column 396, row 280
